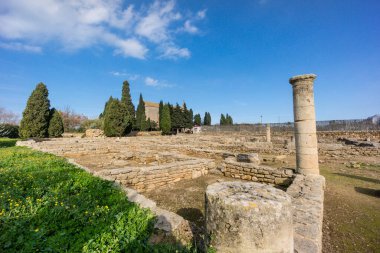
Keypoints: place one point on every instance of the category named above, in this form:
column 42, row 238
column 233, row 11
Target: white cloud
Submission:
column 201, row 14
column 149, row 81
column 20, row 47
column 188, row 27
column 171, row 51
column 77, row 24
column 130, row 77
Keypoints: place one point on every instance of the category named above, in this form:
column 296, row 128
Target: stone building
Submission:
column 152, row 111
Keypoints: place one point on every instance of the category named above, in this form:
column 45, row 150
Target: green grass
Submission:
column 49, row 205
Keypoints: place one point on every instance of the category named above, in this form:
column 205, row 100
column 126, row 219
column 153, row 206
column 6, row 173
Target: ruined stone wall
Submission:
column 307, row 194
column 257, row 173
column 148, row 178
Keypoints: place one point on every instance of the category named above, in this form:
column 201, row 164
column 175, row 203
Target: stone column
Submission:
column 248, row 217
column 268, row 133
column 304, row 124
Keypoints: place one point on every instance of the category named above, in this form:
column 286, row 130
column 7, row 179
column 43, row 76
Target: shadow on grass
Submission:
column 367, row 179
column 368, row 191
column 6, row 143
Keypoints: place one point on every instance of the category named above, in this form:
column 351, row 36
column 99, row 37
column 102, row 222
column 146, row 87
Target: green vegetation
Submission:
column 226, row 120
column 9, row 131
column 35, row 120
column 207, row 119
column 127, row 100
column 56, row 124
column 165, row 122
column 141, row 122
column 6, row 142
column 197, row 119
column 117, row 121
column 160, row 109
column 49, row 205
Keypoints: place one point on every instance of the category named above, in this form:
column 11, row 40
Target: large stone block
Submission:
column 248, row 217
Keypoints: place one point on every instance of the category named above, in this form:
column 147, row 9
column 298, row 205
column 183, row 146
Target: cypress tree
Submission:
column 35, row 120
column 166, row 121
column 190, row 122
column 222, row 120
column 177, row 116
column 207, row 119
column 197, row 119
column 141, row 123
column 160, row 109
column 127, row 100
column 117, row 121
column 55, row 124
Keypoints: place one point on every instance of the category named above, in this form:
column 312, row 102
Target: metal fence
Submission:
column 327, row 125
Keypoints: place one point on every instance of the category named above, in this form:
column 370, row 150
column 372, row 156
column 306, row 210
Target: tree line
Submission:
column 118, row 118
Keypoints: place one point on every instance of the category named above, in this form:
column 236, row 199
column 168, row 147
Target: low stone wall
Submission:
column 307, row 194
column 257, row 173
column 148, row 178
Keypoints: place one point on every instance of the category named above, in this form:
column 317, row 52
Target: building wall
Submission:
column 152, row 111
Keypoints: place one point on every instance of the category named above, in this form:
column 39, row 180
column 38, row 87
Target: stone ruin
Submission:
column 242, row 216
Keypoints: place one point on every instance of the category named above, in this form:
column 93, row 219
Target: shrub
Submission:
column 35, row 120
column 117, row 121
column 8, row 130
column 55, row 124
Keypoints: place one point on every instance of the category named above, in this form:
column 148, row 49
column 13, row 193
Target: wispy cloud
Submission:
column 16, row 46
column 131, row 31
column 149, row 81
column 131, row 77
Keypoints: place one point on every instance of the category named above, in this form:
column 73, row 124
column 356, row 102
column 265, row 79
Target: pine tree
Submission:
column 160, row 109
column 166, row 120
column 197, row 119
column 117, row 121
column 55, row 124
column 127, row 100
column 141, row 123
column 35, row 120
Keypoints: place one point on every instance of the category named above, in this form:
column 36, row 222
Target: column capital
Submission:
column 304, row 77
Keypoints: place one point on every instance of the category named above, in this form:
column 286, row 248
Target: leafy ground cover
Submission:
column 49, row 205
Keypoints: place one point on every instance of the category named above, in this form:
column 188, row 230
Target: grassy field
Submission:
column 49, row 205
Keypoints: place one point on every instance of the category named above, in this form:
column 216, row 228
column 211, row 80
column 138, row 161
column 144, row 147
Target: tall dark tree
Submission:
column 222, row 120
column 189, row 119
column 229, row 120
column 166, row 120
column 127, row 100
column 141, row 122
column 197, row 119
column 160, row 109
column 207, row 119
column 177, row 117
column 35, row 120
column 55, row 124
column 117, row 121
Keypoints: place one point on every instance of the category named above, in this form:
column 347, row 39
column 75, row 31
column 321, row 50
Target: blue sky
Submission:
column 219, row 56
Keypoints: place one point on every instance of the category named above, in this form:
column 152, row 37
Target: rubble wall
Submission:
column 257, row 173
column 148, row 178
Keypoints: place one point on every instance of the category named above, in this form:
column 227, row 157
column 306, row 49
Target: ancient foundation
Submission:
column 304, row 122
column 248, row 217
